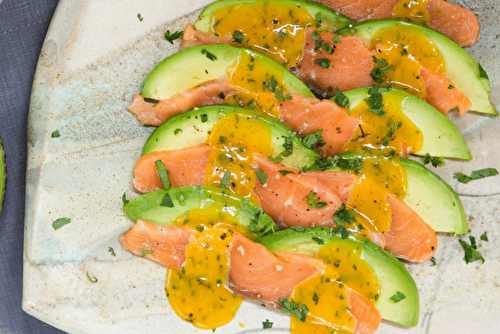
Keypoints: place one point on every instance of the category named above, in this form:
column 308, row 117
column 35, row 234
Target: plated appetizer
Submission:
column 279, row 170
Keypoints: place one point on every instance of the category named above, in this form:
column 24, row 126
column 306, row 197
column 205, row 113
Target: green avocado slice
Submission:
column 2, row 174
column 192, row 128
column 193, row 66
column 441, row 137
column 433, row 199
column 392, row 276
column 330, row 19
column 465, row 72
column 161, row 207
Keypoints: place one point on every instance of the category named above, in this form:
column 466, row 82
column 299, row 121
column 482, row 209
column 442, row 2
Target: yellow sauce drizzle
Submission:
column 413, row 11
column 258, row 82
column 275, row 29
column 380, row 176
column 198, row 292
column 237, row 138
column 405, row 51
column 392, row 130
column 345, row 256
column 326, row 299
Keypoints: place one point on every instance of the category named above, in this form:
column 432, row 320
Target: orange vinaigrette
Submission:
column 198, row 292
column 401, row 53
column 262, row 86
column 276, row 30
column 236, row 139
column 413, row 11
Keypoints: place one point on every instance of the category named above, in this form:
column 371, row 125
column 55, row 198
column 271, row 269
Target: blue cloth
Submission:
column 23, row 25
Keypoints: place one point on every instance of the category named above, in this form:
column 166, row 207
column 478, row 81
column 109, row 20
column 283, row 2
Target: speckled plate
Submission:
column 95, row 56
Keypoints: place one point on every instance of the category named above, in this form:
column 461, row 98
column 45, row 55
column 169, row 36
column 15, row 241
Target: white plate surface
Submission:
column 95, row 57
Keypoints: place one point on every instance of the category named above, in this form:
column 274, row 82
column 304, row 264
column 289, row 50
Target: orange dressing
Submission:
column 198, row 292
column 404, row 52
column 413, row 11
column 276, row 30
column 389, row 129
column 236, row 139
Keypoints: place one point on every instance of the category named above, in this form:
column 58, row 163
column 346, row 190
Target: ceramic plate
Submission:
column 95, row 57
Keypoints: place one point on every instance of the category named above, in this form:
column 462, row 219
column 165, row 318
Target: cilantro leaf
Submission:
column 60, row 222
column 144, row 252
column 209, row 55
column 323, row 62
column 238, row 36
column 311, row 139
column 435, row 161
column 171, row 37
column 124, row 198
column 318, row 240
column 139, row 16
column 336, row 39
column 380, row 70
column 314, row 203
column 270, row 84
column 55, row 134
column 224, row 183
column 167, row 201
column 471, row 254
column 315, row 298
column 284, row 172
column 317, row 17
column 484, row 237
column 261, row 176
column 397, row 297
column 475, row 175
column 267, row 324
column 297, row 309
column 278, row 94
column 341, row 99
column 112, row 251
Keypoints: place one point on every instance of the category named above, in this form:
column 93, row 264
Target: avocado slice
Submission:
column 392, row 276
column 433, row 199
column 176, row 73
column 330, row 19
column 441, row 137
column 161, row 207
column 427, row 194
column 196, row 124
column 466, row 73
column 2, row 174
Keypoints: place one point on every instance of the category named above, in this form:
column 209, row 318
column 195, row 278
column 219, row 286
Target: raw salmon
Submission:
column 441, row 93
column 409, row 237
column 207, row 94
column 186, row 168
column 307, row 115
column 458, row 23
column 193, row 37
column 347, row 65
column 368, row 318
column 165, row 245
column 286, row 198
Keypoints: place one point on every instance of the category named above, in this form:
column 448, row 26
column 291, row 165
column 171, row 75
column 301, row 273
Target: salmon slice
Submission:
column 348, row 66
column 409, row 237
column 187, row 167
column 209, row 93
column 165, row 245
column 257, row 274
column 368, row 318
column 284, row 197
column 307, row 115
column 458, row 23
column 441, row 93
column 193, row 37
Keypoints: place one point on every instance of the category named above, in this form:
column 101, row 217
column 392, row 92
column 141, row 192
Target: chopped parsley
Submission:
column 312, row 139
column 475, row 175
column 342, row 216
column 288, row 150
column 167, row 201
column 282, row 34
column 278, row 94
column 379, row 71
column 297, row 309
column 144, row 252
column 171, row 37
column 124, row 198
column 451, row 87
column 391, row 132
column 317, row 17
column 261, row 176
column 484, row 237
column 238, row 36
column 267, row 324
column 315, row 298
column 60, row 222
column 204, row 118
column 224, row 183
column 433, row 261
column 209, row 55
column 163, row 174
column 349, row 164
column 92, row 279
column 284, row 172
column 270, row 84
column 336, row 39
column 471, row 253
column 435, row 161
column 199, row 228
column 341, row 99
column 112, row 251
column 139, row 16
column 375, row 102
column 318, row 240
column 55, row 134
column 397, row 297
column 314, row 203
column 177, row 131
column 323, row 62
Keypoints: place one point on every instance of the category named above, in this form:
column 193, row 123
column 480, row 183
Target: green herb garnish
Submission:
column 224, row 183
column 471, row 254
column 435, row 161
column 163, row 174
column 297, row 309
column 139, row 16
column 323, row 62
column 167, row 201
column 267, row 324
column 112, row 251
column 311, row 139
column 475, row 175
column 261, row 176
column 238, row 36
column 124, row 198
column 209, row 55
column 314, row 203
column 284, row 172
column 398, row 296
column 172, row 37
column 60, row 222
column 55, row 134
column 92, row 279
